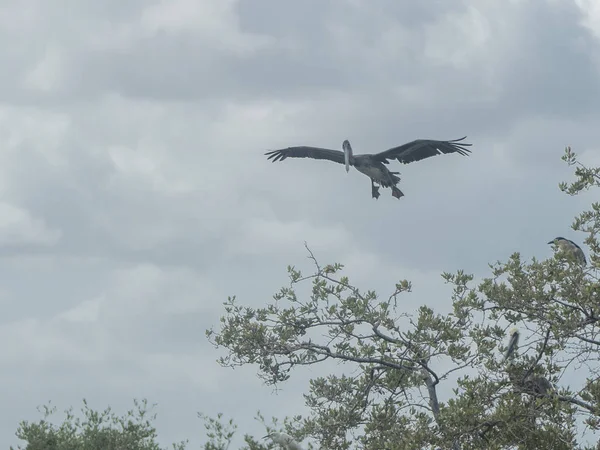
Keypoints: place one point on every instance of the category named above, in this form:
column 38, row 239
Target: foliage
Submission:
column 402, row 364
column 96, row 431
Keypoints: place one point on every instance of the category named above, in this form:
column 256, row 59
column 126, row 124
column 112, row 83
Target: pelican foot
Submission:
column 397, row 192
column 375, row 191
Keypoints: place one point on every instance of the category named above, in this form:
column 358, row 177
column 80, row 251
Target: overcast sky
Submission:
column 135, row 196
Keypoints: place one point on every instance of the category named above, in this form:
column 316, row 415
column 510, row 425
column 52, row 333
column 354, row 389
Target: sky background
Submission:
column 135, row 196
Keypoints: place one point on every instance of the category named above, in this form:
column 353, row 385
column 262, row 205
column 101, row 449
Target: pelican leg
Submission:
column 397, row 192
column 374, row 190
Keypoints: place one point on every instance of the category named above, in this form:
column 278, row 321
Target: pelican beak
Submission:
column 347, row 154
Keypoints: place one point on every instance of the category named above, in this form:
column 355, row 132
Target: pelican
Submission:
column 512, row 344
column 571, row 248
column 373, row 166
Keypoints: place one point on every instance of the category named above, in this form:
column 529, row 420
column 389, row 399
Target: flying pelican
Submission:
column 571, row 248
column 373, row 165
column 284, row 440
column 512, row 344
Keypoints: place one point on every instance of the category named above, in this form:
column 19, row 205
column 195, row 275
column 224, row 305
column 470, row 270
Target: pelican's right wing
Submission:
column 306, row 152
column 421, row 149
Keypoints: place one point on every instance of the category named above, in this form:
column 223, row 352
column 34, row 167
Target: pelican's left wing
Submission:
column 421, row 149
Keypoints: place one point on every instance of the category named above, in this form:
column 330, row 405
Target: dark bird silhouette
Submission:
column 571, row 248
column 537, row 384
column 374, row 165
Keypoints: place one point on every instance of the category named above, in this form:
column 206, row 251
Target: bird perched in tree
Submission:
column 512, row 344
column 284, row 440
column 537, row 384
column 524, row 381
column 571, row 248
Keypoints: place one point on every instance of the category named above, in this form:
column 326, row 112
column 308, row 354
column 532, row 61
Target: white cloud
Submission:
column 212, row 19
column 16, row 16
column 591, row 12
column 143, row 168
column 589, row 157
column 114, row 326
column 261, row 237
column 47, row 74
column 28, row 129
column 85, row 312
column 18, row 226
column 460, row 39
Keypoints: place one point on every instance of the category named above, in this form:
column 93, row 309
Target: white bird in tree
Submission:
column 512, row 343
column 284, row 440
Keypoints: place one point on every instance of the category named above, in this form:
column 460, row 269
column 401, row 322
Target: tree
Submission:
column 401, row 364
column 97, row 431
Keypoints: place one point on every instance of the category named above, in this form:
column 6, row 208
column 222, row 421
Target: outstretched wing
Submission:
column 306, row 152
column 421, row 149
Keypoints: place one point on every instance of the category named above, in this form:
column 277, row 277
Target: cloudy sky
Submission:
column 135, row 196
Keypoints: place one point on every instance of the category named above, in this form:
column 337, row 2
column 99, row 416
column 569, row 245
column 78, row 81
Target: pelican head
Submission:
column 347, row 153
